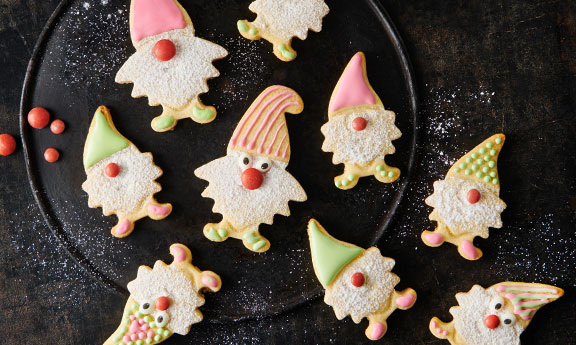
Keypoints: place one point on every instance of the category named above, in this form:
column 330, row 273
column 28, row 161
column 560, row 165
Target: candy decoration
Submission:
column 57, row 126
column 38, row 117
column 162, row 303
column 492, row 321
column 112, row 170
column 51, row 155
column 357, row 279
column 252, row 178
column 473, row 196
column 528, row 298
column 7, row 144
column 359, row 123
column 164, row 50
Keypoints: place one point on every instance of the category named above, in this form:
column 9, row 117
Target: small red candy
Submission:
column 162, row 303
column 57, row 126
column 51, row 155
column 359, row 123
column 38, row 117
column 252, row 178
column 112, row 170
column 7, row 144
column 357, row 279
column 492, row 321
column 164, row 50
column 473, row 196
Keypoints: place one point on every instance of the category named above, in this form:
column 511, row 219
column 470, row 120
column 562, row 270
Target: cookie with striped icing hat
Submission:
column 467, row 203
column 496, row 315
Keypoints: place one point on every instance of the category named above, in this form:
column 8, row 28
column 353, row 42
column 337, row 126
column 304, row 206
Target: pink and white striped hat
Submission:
column 262, row 130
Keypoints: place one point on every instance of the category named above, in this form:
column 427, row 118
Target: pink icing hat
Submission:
column 152, row 17
column 353, row 88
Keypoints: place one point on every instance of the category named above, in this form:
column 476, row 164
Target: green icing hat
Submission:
column 103, row 139
column 329, row 255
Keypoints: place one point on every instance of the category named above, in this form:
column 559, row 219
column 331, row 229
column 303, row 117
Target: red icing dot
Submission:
column 112, row 170
column 57, row 126
column 51, row 155
column 38, row 117
column 473, row 196
column 162, row 303
column 357, row 279
column 492, row 321
column 7, row 144
column 252, row 178
column 359, row 123
column 164, row 50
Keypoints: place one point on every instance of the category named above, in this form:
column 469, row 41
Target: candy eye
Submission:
column 245, row 161
column 263, row 165
column 497, row 303
column 508, row 319
column 161, row 319
column 145, row 308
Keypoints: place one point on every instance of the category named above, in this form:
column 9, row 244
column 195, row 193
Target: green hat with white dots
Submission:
column 481, row 162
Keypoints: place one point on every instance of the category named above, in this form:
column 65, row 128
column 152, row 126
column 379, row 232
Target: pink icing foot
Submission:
column 469, row 250
column 405, row 301
column 434, row 239
column 378, row 331
column 210, row 281
column 158, row 210
column 123, row 227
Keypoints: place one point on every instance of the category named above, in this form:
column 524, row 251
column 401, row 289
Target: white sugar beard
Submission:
column 176, row 82
column 168, row 281
column 243, row 207
column 474, row 307
column 356, row 147
column 127, row 192
column 358, row 302
column 450, row 202
column 288, row 18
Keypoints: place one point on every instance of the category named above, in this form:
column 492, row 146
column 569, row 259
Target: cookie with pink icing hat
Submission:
column 359, row 131
column 164, row 300
column 496, row 315
column 250, row 184
column 280, row 21
column 466, row 203
column 170, row 65
column 120, row 178
column 358, row 282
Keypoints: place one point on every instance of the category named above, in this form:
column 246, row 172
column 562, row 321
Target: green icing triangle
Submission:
column 328, row 254
column 102, row 141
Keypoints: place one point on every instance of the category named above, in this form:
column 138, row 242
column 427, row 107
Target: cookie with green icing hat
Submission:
column 120, row 178
column 358, row 282
column 496, row 315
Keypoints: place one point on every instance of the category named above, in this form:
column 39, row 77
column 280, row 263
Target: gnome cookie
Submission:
column 170, row 65
column 120, row 178
column 279, row 21
column 466, row 202
column 359, row 130
column 358, row 282
column 250, row 184
column 494, row 316
column 164, row 300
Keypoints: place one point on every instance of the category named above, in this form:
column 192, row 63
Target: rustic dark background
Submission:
column 482, row 67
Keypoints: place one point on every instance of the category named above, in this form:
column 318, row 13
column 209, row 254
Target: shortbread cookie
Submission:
column 466, row 202
column 279, row 21
column 494, row 316
column 170, row 65
column 359, row 130
column 358, row 282
column 250, row 184
column 120, row 178
column 164, row 300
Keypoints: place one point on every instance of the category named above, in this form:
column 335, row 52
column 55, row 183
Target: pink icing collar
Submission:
column 152, row 17
column 353, row 88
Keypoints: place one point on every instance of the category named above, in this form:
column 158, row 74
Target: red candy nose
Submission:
column 164, row 50
column 492, row 321
column 162, row 303
column 112, row 170
column 252, row 178
column 359, row 123
column 473, row 196
column 357, row 279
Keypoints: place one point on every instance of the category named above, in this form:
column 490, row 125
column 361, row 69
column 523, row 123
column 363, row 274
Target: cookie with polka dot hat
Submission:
column 164, row 300
column 170, row 65
column 280, row 21
column 359, row 131
column 357, row 282
column 120, row 178
column 466, row 203
column 250, row 184
column 496, row 315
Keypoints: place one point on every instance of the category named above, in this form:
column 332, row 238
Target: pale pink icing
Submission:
column 405, row 301
column 266, row 119
column 123, row 227
column 269, row 149
column 209, row 281
column 434, row 238
column 152, row 17
column 378, row 330
column 279, row 146
column 270, row 124
column 353, row 88
column 257, row 116
column 179, row 254
column 468, row 249
column 158, row 210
